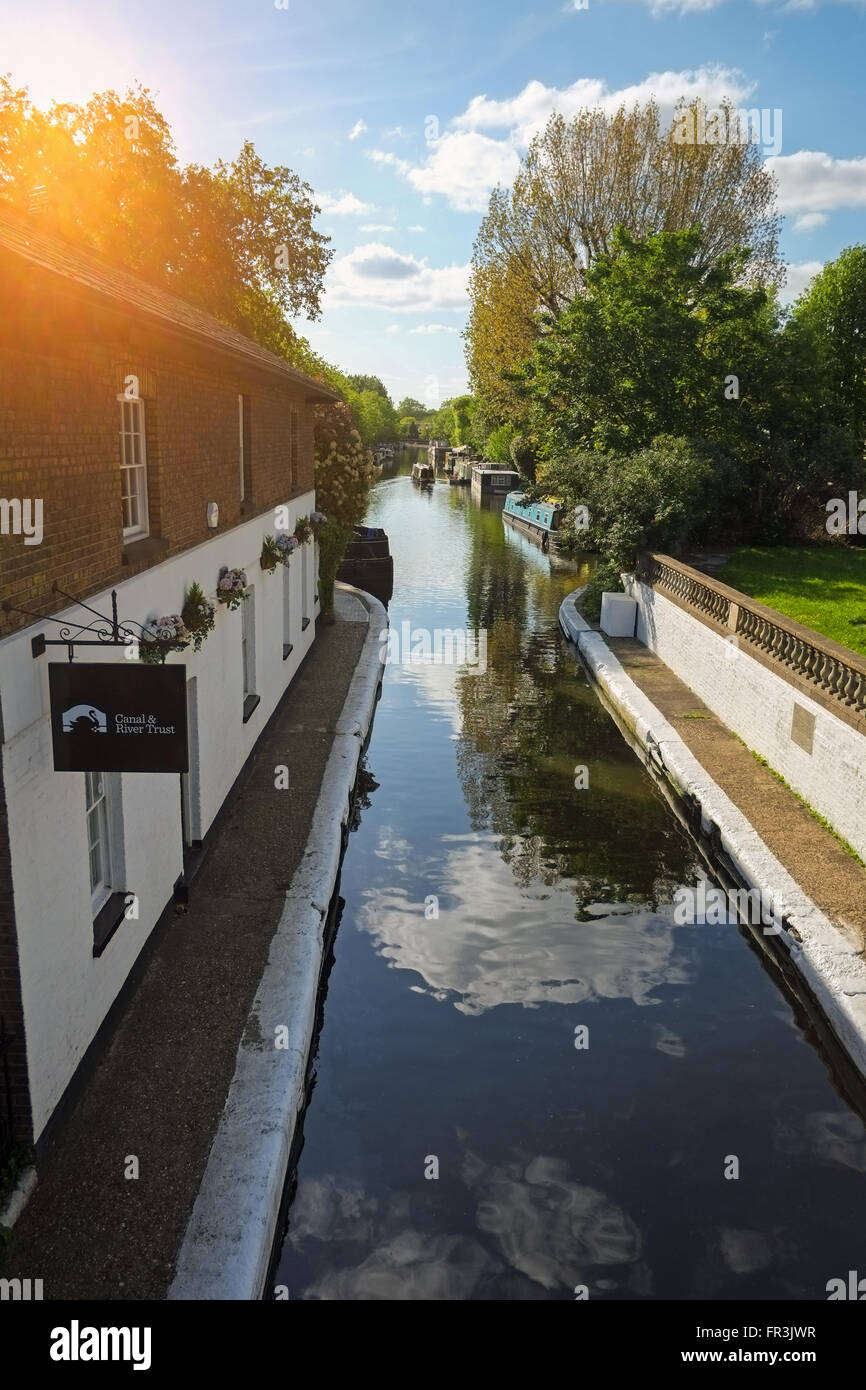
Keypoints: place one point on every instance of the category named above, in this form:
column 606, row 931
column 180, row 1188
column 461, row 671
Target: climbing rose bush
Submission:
column 343, row 466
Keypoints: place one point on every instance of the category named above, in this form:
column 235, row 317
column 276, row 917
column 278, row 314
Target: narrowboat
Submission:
column 368, row 563
column 538, row 520
column 461, row 475
column 492, row 478
column 423, row 474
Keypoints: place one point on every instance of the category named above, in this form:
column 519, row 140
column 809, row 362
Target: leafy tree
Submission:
column 658, row 497
column 369, row 383
column 408, row 427
column 238, row 239
column 830, row 320
column 409, row 406
column 462, row 409
column 498, row 446
column 581, row 179
column 651, row 348
column 376, row 416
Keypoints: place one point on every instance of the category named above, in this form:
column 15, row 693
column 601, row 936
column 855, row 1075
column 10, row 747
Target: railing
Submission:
column 831, row 672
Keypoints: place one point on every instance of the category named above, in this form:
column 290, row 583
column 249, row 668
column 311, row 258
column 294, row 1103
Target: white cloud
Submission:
column 811, row 181
column 464, row 166
column 343, row 205
column 376, row 276
column 357, row 129
column 393, row 328
column 388, row 157
column 798, row 278
column 659, row 7
column 808, row 221
column 376, row 227
column 527, row 113
column 415, row 229
column 433, row 328
column 465, row 163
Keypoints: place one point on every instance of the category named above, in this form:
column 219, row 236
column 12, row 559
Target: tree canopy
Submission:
column 580, row 180
column 237, row 239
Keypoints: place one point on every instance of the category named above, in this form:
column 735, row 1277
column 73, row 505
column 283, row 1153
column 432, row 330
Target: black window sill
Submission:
column 288, row 648
column 251, row 703
column 305, row 624
column 107, row 920
column 134, row 552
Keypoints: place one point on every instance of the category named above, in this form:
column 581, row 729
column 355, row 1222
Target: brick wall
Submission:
column 64, row 353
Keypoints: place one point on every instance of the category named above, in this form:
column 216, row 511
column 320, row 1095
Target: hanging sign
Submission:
column 116, row 717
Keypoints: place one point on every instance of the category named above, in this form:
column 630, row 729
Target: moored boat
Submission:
column 368, row 563
column 538, row 520
column 423, row 474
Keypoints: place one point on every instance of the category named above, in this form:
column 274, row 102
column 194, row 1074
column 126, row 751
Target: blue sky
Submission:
column 402, row 116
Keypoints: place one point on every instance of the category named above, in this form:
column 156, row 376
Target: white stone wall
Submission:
column 758, row 705
column 66, row 992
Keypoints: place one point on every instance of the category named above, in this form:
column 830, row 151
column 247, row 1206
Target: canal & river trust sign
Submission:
column 118, row 718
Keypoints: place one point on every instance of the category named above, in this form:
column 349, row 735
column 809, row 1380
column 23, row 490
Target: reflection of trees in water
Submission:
column 527, row 721
column 496, row 582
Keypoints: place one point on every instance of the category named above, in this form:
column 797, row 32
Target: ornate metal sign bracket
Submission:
column 107, row 632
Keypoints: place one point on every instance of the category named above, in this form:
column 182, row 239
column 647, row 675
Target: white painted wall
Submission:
column 66, row 992
column 758, row 705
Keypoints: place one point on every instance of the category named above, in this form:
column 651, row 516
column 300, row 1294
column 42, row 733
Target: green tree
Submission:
column 830, row 319
column 462, row 410
column 368, row 383
column 409, row 406
column 376, row 417
column 650, row 348
column 580, row 180
column 238, row 239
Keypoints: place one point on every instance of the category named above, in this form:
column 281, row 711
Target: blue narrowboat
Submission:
column 539, row 520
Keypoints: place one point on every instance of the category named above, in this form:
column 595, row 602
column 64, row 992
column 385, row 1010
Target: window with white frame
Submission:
column 98, row 837
column 248, row 645
column 287, row 609
column 305, row 586
column 133, row 468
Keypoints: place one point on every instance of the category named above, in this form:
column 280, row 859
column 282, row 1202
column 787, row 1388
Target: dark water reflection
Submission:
column 453, row 1036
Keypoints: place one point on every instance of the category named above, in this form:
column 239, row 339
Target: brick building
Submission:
column 143, row 446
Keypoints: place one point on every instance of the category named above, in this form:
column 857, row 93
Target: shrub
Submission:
column 605, row 579
column 333, row 539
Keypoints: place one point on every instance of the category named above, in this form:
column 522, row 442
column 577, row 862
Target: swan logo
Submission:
column 83, row 719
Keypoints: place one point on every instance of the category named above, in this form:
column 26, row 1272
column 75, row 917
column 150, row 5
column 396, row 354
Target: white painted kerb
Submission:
column 228, row 1243
column 827, row 960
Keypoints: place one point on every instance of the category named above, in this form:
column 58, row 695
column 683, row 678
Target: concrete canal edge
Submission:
column 826, row 961
column 227, row 1247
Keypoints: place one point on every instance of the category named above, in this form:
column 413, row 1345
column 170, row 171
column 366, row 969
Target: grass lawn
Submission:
column 821, row 586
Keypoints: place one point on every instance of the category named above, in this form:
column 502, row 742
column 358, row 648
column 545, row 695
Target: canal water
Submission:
column 529, row 1081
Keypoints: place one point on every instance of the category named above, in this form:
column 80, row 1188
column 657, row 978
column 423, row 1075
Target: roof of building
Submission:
column 25, row 238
